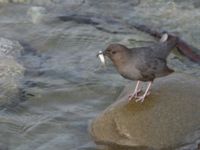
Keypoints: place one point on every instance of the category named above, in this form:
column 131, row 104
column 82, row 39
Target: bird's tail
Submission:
column 166, row 44
column 182, row 46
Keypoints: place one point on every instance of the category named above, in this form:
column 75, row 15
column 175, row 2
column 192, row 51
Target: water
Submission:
column 69, row 85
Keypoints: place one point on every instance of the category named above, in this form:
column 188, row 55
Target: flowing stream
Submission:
column 63, row 86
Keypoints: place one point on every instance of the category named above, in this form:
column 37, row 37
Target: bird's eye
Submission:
column 114, row 52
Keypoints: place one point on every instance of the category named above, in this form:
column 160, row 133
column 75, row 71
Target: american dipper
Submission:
column 141, row 64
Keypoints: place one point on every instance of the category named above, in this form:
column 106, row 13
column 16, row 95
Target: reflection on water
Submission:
column 68, row 83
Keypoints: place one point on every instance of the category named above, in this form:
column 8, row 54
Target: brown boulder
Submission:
column 168, row 119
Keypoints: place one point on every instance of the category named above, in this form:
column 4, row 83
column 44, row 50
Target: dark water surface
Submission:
column 69, row 85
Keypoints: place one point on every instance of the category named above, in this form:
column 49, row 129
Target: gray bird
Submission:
column 143, row 63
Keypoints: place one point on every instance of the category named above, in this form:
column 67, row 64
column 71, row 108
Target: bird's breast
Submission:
column 129, row 72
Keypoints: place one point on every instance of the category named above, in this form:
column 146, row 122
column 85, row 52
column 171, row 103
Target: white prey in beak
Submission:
column 101, row 57
column 164, row 38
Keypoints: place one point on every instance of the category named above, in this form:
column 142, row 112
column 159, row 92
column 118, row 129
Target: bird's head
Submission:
column 117, row 53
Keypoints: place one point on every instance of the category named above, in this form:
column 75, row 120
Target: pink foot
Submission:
column 140, row 99
column 148, row 93
column 134, row 95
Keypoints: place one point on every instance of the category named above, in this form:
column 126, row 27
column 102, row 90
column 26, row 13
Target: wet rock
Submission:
column 168, row 118
column 10, row 48
column 37, row 14
column 11, row 71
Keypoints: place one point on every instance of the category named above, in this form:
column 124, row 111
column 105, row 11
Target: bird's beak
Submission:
column 101, row 55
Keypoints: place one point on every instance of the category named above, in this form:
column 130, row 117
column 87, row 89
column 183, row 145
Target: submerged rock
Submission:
column 37, row 14
column 10, row 48
column 167, row 119
column 11, row 71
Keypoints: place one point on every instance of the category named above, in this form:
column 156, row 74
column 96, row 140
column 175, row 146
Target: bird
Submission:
column 141, row 64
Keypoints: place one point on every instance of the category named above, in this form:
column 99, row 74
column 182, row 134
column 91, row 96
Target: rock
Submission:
column 167, row 119
column 37, row 14
column 11, row 71
column 10, row 48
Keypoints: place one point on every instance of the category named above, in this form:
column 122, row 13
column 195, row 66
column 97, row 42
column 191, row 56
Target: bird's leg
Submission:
column 136, row 91
column 147, row 92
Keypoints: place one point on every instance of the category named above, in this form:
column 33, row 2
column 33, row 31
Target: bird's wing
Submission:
column 162, row 49
column 151, row 66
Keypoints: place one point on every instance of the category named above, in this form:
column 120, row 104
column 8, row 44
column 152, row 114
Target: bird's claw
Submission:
column 134, row 95
column 140, row 99
column 148, row 93
column 137, row 91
